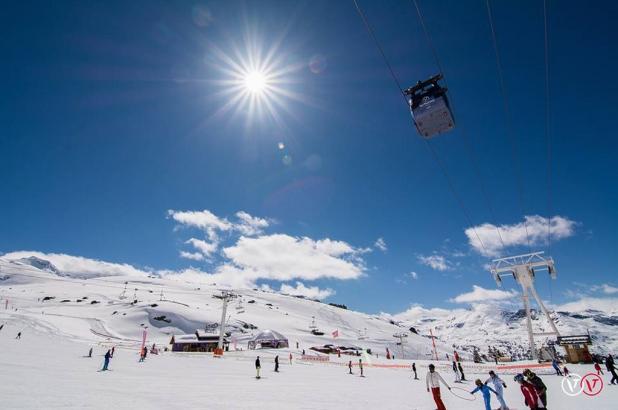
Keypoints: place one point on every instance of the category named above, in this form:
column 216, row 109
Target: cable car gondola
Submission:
column 430, row 107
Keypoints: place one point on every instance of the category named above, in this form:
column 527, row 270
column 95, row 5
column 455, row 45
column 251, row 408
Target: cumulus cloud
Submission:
column 311, row 292
column 194, row 256
column 206, row 249
column 436, row 262
column 204, row 220
column 282, row 257
column 77, row 266
column 413, row 275
column 250, row 225
column 480, row 294
column 533, row 227
column 605, row 288
column 607, row 305
column 381, row 244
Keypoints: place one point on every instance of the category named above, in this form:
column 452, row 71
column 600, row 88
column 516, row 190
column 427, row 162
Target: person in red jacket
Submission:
column 597, row 367
column 531, row 398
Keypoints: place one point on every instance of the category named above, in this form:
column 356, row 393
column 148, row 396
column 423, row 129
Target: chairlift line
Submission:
column 507, row 117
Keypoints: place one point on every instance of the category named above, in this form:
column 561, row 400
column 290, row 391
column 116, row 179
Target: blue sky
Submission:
column 115, row 113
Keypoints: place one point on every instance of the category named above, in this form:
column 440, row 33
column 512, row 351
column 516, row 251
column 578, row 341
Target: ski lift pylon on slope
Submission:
column 430, row 107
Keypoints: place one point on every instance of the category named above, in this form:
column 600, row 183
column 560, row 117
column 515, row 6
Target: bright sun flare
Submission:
column 255, row 82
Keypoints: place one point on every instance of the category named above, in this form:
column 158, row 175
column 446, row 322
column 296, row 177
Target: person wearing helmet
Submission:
column 531, row 399
column 433, row 380
column 486, row 391
column 539, row 386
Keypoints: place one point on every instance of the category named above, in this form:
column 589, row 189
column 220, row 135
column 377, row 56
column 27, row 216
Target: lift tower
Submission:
column 523, row 269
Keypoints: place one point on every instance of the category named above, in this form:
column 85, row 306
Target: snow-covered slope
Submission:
column 486, row 325
column 99, row 308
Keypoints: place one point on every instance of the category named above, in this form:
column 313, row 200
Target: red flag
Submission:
column 336, row 333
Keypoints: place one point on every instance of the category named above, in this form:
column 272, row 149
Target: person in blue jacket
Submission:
column 486, row 392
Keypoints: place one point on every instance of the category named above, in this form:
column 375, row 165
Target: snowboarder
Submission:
column 433, row 380
column 499, row 385
column 18, row 335
column 90, row 352
column 350, row 366
column 609, row 365
column 360, row 366
column 108, row 355
column 531, row 398
column 597, row 367
column 556, row 367
column 457, row 378
column 486, row 392
column 414, row 370
column 277, row 363
column 463, row 377
column 257, row 367
column 539, row 386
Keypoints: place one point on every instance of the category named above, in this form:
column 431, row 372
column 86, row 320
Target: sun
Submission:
column 256, row 82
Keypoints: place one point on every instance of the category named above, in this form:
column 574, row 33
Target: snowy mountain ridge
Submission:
column 90, row 306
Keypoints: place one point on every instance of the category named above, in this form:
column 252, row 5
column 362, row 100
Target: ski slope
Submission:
column 47, row 367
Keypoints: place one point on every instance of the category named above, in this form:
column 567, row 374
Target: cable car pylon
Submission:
column 522, row 268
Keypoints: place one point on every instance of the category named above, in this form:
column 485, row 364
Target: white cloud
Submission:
column 250, row 225
column 605, row 288
column 77, row 266
column 195, row 256
column 608, row 305
column 205, row 220
column 311, row 292
column 283, row 257
column 413, row 275
column 381, row 244
column 205, row 248
column 479, row 294
column 436, row 262
column 534, row 228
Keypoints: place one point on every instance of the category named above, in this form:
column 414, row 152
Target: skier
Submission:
column 290, row 358
column 108, row 355
column 597, row 367
column 414, row 370
column 499, row 385
column 531, row 398
column 456, row 355
column 1, row 326
column 90, row 352
column 554, row 364
column 609, row 365
column 142, row 355
column 539, row 386
column 433, row 380
column 257, row 367
column 303, row 352
column 113, row 350
column 277, row 363
column 350, row 366
column 457, row 378
column 463, row 377
column 486, row 392
column 566, row 372
column 18, row 335
column 360, row 366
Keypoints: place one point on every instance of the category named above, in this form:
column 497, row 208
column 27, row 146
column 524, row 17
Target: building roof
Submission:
column 267, row 336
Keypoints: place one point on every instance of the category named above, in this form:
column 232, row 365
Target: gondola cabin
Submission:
column 430, row 107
